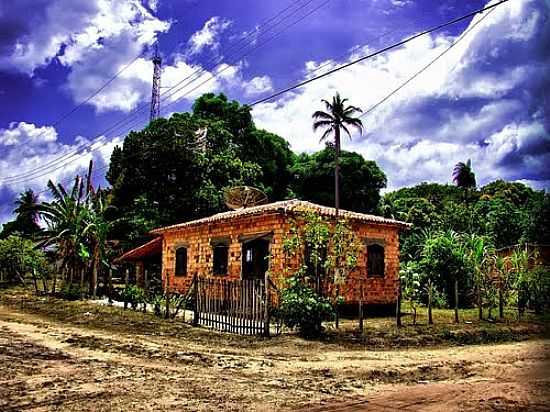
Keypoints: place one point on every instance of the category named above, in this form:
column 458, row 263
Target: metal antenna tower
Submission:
column 155, row 95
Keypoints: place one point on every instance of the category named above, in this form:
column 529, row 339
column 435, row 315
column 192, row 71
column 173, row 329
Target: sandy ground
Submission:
column 47, row 365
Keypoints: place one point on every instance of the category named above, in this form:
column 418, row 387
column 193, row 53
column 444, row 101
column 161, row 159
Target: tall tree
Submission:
column 26, row 216
column 337, row 117
column 464, row 176
column 67, row 225
column 176, row 169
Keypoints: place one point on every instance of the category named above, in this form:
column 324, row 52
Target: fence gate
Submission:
column 233, row 305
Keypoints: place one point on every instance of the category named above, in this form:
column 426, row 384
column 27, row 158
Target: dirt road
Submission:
column 49, row 366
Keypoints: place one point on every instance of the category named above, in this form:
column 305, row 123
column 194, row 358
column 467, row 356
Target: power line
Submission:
column 268, row 40
column 371, row 55
column 130, row 119
column 461, row 37
column 33, row 174
column 87, row 99
column 438, row 27
column 423, row 69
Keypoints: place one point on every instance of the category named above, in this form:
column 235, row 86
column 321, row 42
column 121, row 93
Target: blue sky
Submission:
column 486, row 99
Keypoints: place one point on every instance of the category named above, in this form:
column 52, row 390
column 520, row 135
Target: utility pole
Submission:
column 155, row 96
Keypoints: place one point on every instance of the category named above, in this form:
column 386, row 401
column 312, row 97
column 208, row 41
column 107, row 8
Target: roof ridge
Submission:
column 289, row 205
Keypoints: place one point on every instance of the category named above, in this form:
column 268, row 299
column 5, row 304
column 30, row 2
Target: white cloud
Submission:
column 98, row 38
column 258, row 85
column 133, row 86
column 152, row 4
column 71, row 30
column 95, row 39
column 23, row 132
column 464, row 106
column 400, row 3
column 42, row 147
column 209, row 36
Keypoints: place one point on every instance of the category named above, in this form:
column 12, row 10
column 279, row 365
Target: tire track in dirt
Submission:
column 143, row 372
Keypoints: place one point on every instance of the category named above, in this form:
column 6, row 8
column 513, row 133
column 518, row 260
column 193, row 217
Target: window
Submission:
column 255, row 257
column 221, row 257
column 181, row 261
column 375, row 260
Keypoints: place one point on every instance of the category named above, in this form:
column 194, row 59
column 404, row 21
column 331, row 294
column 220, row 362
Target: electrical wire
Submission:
column 371, row 55
column 32, row 174
column 433, row 29
column 427, row 66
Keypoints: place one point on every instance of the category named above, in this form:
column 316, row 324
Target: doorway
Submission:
column 255, row 258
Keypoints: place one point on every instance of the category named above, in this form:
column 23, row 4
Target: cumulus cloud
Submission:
column 94, row 39
column 209, row 36
column 258, row 85
column 70, row 29
column 40, row 147
column 19, row 132
column 400, row 3
column 483, row 100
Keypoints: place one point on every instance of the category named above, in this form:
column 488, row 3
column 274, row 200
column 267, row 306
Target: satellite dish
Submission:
column 240, row 197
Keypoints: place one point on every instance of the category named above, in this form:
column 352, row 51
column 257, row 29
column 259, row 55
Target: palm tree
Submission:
column 336, row 118
column 67, row 226
column 463, row 175
column 26, row 205
column 27, row 213
column 465, row 178
column 100, row 228
column 78, row 227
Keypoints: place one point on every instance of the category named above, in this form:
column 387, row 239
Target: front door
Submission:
column 255, row 259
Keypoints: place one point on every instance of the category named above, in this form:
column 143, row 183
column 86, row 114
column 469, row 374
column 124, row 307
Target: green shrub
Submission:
column 19, row 257
column 70, row 291
column 301, row 307
column 134, row 296
column 538, row 289
column 439, row 299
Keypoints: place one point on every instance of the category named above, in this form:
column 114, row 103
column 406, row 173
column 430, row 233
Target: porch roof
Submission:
column 285, row 206
column 151, row 248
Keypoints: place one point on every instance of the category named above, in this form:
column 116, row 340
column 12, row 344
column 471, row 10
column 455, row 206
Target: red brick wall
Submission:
column 197, row 239
column 375, row 290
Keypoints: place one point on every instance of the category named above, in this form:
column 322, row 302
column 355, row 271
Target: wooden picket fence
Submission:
column 238, row 306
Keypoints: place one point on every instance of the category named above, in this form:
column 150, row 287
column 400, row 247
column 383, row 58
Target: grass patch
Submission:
column 379, row 332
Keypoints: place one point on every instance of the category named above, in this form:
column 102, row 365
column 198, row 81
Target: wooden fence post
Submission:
column 81, row 283
column 110, row 285
column 266, row 305
column 146, row 279
column 430, row 291
column 126, row 280
column 456, row 301
column 167, row 298
column 196, row 300
column 398, row 306
column 361, row 307
column 336, row 307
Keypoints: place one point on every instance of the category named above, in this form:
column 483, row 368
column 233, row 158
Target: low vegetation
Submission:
column 451, row 258
column 379, row 332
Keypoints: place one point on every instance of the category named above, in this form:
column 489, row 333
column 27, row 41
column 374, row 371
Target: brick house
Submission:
column 246, row 243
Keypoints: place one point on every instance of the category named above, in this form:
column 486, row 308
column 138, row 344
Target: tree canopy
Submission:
column 26, row 216
column 176, row 169
column 361, row 180
column 508, row 213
